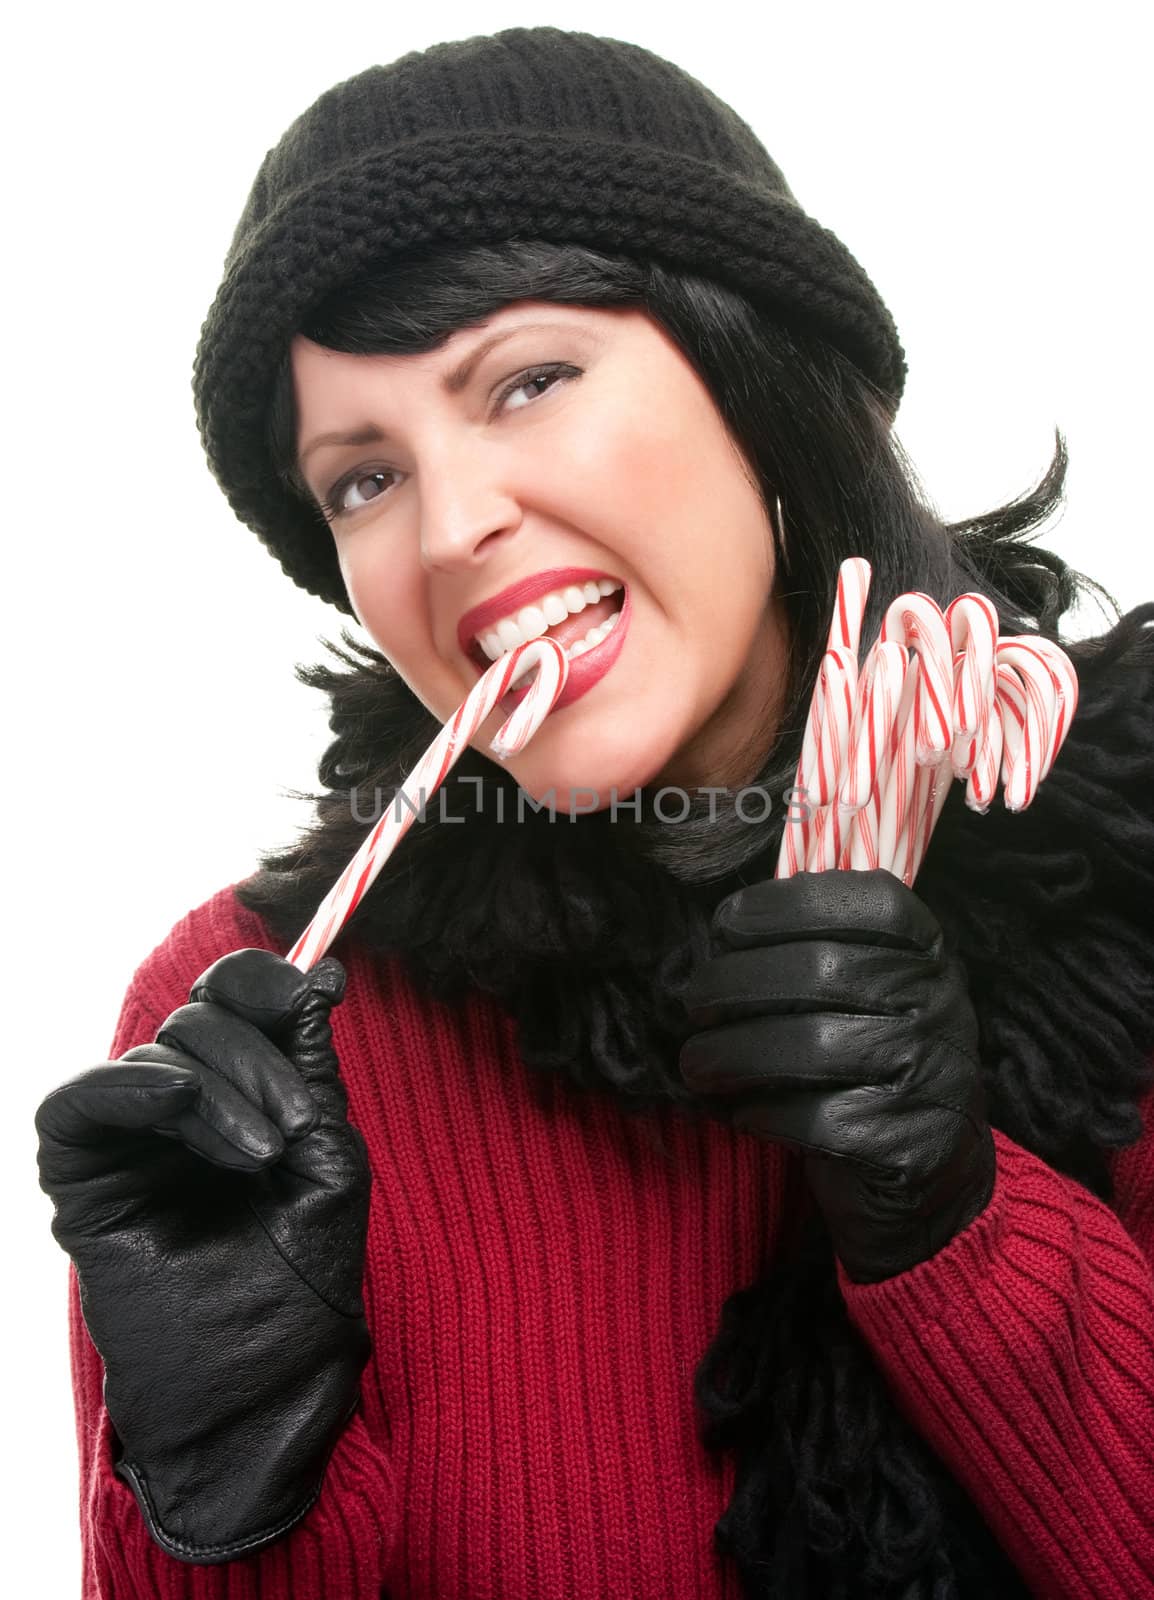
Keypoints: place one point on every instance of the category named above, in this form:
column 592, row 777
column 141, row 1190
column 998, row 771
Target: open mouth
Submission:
column 573, row 634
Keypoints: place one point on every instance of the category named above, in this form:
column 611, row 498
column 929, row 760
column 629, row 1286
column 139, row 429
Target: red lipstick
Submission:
column 587, row 670
column 521, row 593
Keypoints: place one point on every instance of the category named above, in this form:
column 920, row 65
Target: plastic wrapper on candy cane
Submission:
column 939, row 697
column 1041, row 715
column 806, row 828
column 826, row 752
column 976, row 754
column 429, row 773
column 887, row 694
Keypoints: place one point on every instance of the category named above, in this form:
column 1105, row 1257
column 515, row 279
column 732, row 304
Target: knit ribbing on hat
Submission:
column 527, row 133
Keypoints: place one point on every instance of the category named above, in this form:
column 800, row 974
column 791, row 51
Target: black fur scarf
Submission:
column 587, row 941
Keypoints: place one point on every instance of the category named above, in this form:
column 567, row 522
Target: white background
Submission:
column 988, row 165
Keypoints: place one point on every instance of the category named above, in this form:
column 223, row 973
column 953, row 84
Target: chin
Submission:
column 578, row 798
column 579, row 788
column 613, row 750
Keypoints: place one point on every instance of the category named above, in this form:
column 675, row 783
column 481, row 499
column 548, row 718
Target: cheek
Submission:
column 650, row 469
column 635, row 457
column 675, row 476
column 379, row 594
column 352, row 572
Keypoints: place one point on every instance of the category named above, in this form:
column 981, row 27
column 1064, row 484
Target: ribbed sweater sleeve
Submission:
column 340, row 1548
column 1024, row 1353
column 541, row 1287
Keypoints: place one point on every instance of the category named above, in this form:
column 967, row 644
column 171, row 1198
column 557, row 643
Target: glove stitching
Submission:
column 183, row 1547
column 350, row 1316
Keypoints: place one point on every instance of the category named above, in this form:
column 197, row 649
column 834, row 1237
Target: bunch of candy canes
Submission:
column 940, row 697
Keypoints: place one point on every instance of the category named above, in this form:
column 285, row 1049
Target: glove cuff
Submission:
column 211, row 1546
column 889, row 1234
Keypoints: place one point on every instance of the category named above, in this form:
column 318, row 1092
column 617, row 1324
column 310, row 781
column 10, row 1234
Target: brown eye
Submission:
column 338, row 503
column 549, row 376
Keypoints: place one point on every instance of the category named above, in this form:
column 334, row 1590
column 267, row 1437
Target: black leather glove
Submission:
column 839, row 1027
column 214, row 1199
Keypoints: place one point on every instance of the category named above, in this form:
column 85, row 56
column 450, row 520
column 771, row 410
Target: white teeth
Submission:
column 593, row 637
column 582, row 646
column 509, row 634
column 533, row 620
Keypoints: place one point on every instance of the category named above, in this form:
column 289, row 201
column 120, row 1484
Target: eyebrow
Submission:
column 452, row 382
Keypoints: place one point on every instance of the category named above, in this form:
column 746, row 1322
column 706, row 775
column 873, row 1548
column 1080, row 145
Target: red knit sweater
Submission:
column 539, row 1294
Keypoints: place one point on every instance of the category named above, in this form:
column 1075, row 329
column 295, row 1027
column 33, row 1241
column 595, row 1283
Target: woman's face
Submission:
column 582, row 446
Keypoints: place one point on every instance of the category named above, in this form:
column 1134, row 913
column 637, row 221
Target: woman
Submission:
column 727, row 1235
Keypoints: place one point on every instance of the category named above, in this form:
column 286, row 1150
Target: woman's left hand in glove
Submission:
column 833, row 1022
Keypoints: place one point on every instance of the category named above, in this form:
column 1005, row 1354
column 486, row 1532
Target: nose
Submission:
column 464, row 508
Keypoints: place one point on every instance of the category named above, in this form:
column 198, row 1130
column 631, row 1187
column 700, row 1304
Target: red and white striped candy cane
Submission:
column 836, row 696
column 966, row 704
column 824, row 756
column 973, row 625
column 853, row 587
column 931, row 791
column 916, row 621
column 797, row 839
column 986, row 750
column 880, row 690
column 1048, row 675
column 884, row 684
column 898, row 790
column 1018, row 750
column 430, row 772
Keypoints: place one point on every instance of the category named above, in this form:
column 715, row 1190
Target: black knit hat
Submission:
column 528, row 133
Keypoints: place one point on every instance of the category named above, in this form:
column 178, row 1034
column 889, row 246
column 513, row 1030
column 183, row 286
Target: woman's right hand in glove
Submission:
column 214, row 1200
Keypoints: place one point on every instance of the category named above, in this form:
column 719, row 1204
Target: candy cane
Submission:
column 1051, row 680
column 916, row 620
column 899, row 789
column 982, row 777
column 1013, row 703
column 824, row 756
column 932, row 791
column 799, row 834
column 429, row 773
column 957, row 702
column 853, row 587
column 972, row 621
